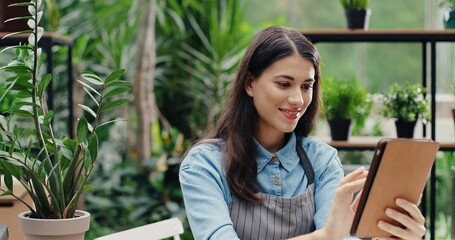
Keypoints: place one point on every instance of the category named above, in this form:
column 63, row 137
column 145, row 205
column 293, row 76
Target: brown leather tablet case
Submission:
column 399, row 169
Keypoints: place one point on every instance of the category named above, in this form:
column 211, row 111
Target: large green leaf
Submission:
column 114, row 75
column 82, row 130
column 113, row 104
column 116, row 91
column 42, row 86
column 93, row 147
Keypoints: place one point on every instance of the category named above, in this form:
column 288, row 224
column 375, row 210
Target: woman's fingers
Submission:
column 412, row 209
column 413, row 223
column 356, row 174
column 355, row 203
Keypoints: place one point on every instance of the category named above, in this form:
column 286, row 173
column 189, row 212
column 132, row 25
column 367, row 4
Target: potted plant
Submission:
column 406, row 104
column 449, row 13
column 53, row 170
column 357, row 13
column 343, row 101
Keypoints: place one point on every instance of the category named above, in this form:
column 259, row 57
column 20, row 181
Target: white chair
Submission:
column 163, row 229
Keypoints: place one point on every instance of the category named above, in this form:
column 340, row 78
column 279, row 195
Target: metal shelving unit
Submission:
column 428, row 40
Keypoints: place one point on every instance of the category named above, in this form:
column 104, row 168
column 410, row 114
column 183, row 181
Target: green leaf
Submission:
column 11, row 168
column 92, row 97
column 114, row 75
column 118, row 83
column 42, row 86
column 87, row 109
column 17, row 33
column 22, row 4
column 47, row 120
column 18, row 18
column 89, row 88
column 82, row 130
column 25, row 47
column 8, row 180
column 116, row 92
column 16, row 69
column 22, row 113
column 107, row 123
column 7, row 193
column 93, row 78
column 113, row 104
column 93, row 147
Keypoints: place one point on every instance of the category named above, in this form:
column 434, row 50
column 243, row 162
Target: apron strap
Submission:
column 309, row 171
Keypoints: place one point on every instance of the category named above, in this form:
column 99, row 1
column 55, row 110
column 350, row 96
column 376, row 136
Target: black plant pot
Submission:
column 357, row 19
column 340, row 129
column 405, row 129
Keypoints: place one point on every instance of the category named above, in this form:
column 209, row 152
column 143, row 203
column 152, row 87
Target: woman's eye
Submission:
column 283, row 84
column 307, row 86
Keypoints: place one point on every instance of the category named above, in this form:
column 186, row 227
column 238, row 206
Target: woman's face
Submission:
column 281, row 94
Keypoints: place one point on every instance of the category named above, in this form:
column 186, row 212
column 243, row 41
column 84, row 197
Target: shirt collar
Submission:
column 287, row 155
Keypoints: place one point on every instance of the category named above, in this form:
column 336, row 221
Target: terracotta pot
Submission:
column 55, row 229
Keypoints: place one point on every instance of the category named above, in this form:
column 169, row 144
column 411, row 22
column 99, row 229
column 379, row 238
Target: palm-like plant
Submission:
column 54, row 171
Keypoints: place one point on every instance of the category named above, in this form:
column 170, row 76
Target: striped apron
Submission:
column 276, row 217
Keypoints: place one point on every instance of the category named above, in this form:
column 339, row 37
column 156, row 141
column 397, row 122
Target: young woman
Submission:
column 258, row 175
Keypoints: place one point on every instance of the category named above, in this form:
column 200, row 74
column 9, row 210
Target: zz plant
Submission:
column 54, row 171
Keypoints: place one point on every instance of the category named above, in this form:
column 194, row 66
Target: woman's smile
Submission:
column 291, row 114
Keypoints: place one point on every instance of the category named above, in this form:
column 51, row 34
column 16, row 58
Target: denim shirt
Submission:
column 207, row 195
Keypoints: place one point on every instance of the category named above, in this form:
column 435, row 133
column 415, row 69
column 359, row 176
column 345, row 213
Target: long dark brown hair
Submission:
column 237, row 122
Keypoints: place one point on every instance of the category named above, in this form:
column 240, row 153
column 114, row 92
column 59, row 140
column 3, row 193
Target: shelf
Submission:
column 403, row 35
column 369, row 143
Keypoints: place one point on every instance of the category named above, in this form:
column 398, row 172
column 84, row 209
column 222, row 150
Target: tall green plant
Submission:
column 212, row 63
column 354, row 4
column 53, row 170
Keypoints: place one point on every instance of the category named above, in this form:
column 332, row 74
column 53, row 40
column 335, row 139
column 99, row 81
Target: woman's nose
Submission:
column 296, row 98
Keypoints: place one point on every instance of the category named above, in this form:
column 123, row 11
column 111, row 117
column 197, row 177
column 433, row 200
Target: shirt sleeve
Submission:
column 206, row 197
column 327, row 178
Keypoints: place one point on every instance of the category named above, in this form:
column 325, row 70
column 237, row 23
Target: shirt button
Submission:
column 274, row 159
column 276, row 181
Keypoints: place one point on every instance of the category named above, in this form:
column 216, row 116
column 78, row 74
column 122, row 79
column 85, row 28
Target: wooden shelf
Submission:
column 369, row 143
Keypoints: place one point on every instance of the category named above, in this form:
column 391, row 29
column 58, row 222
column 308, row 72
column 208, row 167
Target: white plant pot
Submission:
column 55, row 229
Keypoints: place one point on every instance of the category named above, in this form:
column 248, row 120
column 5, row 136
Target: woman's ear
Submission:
column 248, row 85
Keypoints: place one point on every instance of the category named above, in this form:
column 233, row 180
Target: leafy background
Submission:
column 198, row 44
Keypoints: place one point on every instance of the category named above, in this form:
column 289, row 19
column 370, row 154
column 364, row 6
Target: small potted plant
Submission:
column 53, row 170
column 449, row 13
column 406, row 104
column 343, row 101
column 357, row 13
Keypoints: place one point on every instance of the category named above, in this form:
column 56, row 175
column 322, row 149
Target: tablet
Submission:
column 399, row 169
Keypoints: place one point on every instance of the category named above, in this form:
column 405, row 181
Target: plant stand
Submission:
column 55, row 229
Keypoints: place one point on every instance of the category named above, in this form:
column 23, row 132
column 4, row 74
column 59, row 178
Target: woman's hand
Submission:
column 343, row 208
column 413, row 222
